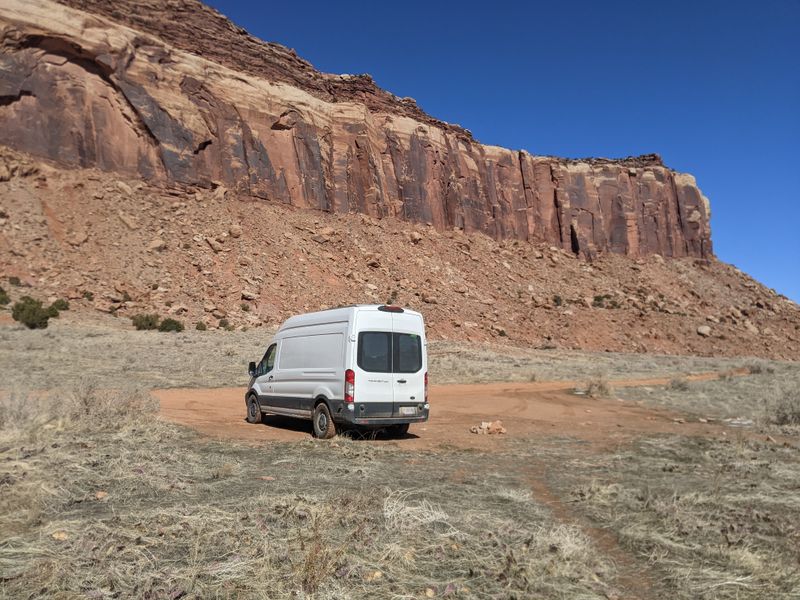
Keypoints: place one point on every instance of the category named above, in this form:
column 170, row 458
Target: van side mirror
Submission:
column 251, row 368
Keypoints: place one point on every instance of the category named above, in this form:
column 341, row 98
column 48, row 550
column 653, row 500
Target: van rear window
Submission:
column 407, row 353
column 384, row 352
column 373, row 351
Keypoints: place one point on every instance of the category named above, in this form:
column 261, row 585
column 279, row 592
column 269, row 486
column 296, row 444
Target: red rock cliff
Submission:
column 174, row 92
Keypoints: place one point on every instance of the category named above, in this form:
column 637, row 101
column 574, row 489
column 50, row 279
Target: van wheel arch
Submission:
column 322, row 423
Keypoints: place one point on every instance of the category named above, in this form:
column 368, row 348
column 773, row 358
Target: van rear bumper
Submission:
column 375, row 415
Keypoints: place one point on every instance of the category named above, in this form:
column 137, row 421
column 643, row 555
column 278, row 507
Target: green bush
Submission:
column 31, row 313
column 4, row 299
column 245, row 307
column 88, row 295
column 15, row 281
column 224, row 324
column 170, row 325
column 200, row 326
column 145, row 322
column 60, row 304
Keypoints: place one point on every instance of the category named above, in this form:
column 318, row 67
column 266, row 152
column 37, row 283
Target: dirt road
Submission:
column 543, row 408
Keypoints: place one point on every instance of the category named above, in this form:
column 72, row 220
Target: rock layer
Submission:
column 202, row 103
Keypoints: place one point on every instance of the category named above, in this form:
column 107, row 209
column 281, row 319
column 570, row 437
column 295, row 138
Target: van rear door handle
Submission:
column 269, row 378
column 401, row 381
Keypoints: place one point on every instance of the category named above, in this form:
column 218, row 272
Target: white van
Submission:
column 361, row 365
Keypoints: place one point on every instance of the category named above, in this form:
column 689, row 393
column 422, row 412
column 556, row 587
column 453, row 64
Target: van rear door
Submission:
column 374, row 393
column 408, row 352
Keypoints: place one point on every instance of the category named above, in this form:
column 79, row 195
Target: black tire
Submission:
column 324, row 427
column 253, row 410
column 398, row 431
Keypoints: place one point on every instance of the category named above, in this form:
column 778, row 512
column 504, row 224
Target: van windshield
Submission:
column 384, row 352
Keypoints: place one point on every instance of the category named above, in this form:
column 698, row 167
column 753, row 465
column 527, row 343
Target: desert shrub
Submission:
column 145, row 322
column 245, row 307
column 678, row 384
column 600, row 301
column 557, row 300
column 170, row 325
column 759, row 368
column 31, row 313
column 200, row 326
column 60, row 304
column 15, row 281
column 4, row 299
column 598, row 388
column 225, row 324
column 786, row 410
column 87, row 295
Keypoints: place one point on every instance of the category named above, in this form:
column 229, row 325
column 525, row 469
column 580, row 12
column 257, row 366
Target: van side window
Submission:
column 374, row 353
column 407, row 353
column 266, row 364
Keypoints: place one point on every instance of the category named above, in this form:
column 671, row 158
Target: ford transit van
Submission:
column 358, row 366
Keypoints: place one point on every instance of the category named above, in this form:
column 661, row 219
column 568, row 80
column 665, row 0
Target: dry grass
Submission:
column 759, row 396
column 69, row 352
column 101, row 500
column 785, row 408
column 712, row 518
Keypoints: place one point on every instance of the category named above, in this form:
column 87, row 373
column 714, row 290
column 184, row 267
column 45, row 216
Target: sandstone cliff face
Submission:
column 84, row 89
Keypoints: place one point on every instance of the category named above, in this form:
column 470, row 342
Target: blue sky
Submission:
column 712, row 86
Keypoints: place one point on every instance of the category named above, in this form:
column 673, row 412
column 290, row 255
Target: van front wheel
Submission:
column 253, row 410
column 324, row 427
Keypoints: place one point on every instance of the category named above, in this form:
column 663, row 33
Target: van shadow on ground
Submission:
column 303, row 426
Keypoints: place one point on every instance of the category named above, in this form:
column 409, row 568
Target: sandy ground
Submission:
column 539, row 408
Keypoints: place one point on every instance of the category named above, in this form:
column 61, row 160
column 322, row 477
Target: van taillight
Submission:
column 350, row 385
column 426, row 386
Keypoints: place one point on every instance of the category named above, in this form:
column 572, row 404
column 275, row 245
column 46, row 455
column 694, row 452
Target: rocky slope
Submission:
column 127, row 246
column 174, row 93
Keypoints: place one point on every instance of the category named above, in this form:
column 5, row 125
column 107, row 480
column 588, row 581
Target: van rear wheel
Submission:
column 324, row 427
column 253, row 410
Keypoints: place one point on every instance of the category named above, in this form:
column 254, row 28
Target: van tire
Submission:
column 324, row 427
column 253, row 410
column 398, row 431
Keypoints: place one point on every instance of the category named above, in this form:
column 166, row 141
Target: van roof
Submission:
column 333, row 314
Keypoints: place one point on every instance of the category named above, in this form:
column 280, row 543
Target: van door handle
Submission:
column 401, row 381
column 269, row 378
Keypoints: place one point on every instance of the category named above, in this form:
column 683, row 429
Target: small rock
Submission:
column 704, row 331
column 248, row 295
column 78, row 238
column 157, row 245
column 214, row 244
column 129, row 221
column 415, row 237
column 124, row 188
column 489, row 428
column 235, row 231
column 101, row 495
column 430, row 299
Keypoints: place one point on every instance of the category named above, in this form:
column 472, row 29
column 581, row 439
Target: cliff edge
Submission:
column 174, row 93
